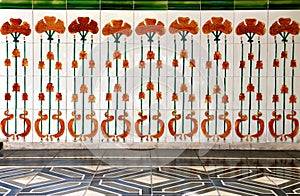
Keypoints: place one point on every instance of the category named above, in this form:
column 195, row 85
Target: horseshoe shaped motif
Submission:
column 37, row 125
column 137, row 125
column 170, row 124
column 28, row 125
column 128, row 126
column 261, row 125
column 277, row 117
column 195, row 122
column 161, row 130
column 62, row 126
column 296, row 124
column 237, row 125
column 3, row 124
column 204, row 122
column 228, row 125
column 70, row 125
column 95, row 123
column 103, row 126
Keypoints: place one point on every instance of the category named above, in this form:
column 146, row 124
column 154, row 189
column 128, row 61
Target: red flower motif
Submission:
column 259, row 97
column 174, row 97
column 284, row 89
column 49, row 87
column 125, row 97
column 15, row 26
column 158, row 95
column 41, row 97
column 225, row 65
column 108, row 64
column 284, row 25
column 83, row 24
column 184, row 54
column 159, row 64
column 150, row 25
column 192, row 98
column 92, row 99
column 250, row 56
column 74, row 98
column 141, row 95
column 251, row 25
column 242, row 64
column 50, row 24
column 275, row 98
column 217, row 55
column 41, row 65
column 24, row 97
column 225, row 99
column 276, row 63
column 150, row 55
column 83, row 88
column 58, row 97
column 108, row 97
column 16, row 53
column 16, row 87
column 82, row 55
column 242, row 97
column 125, row 64
column 183, row 88
column 117, row 26
column 192, row 63
column 293, row 99
column 217, row 90
column 117, row 54
column 7, row 97
column 175, row 63
column 259, row 65
column 207, row 99
column 293, row 63
column 58, row 66
column 142, row 64
column 91, row 64
column 25, row 62
column 184, row 24
column 150, row 86
column 284, row 54
column 250, row 88
column 7, row 62
column 117, row 88
column 208, row 65
column 217, row 24
column 50, row 56
column 74, row 64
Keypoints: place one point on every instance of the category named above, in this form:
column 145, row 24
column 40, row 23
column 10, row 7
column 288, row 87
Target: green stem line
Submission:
column 117, row 75
column 284, row 83
column 7, row 84
column 141, row 85
column 225, row 82
column 175, row 81
column 192, row 79
column 208, row 79
column 91, row 80
column 183, row 76
column 242, row 84
column 150, row 77
column 293, row 78
column 41, row 81
column 16, row 81
column 158, row 84
column 217, row 82
column 259, row 51
column 83, row 82
column 24, row 81
column 108, row 86
column 74, row 81
column 50, row 77
column 125, row 88
column 250, row 82
column 58, row 82
column 275, row 86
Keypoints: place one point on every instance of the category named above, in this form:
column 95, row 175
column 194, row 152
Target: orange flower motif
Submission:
column 275, row 98
column 41, row 97
column 117, row 54
column 74, row 64
column 184, row 54
column 16, row 87
column 16, row 53
column 50, row 24
column 142, row 64
column 159, row 64
column 250, row 56
column 207, row 99
column 284, row 25
column 58, row 97
column 74, row 98
column 242, row 64
column 150, row 25
column 108, row 97
column 91, row 64
column 158, row 95
column 7, row 62
column 83, row 88
column 259, row 97
column 108, row 64
column 92, row 99
column 117, row 88
column 284, row 89
column 184, row 24
column 208, row 65
column 150, row 55
column 24, row 97
column 15, row 26
column 192, row 63
column 293, row 99
column 250, row 88
column 83, row 55
column 192, row 98
column 125, row 64
column 83, row 24
column 276, row 63
column 58, row 66
column 217, row 55
column 150, row 86
column 242, row 97
column 251, row 25
column 49, row 87
column 141, row 95
column 183, row 88
column 217, row 24
column 117, row 26
column 174, row 97
column 41, row 65
column 175, row 63
column 7, row 96
column 259, row 65
column 293, row 63
column 25, row 62
column 125, row 97
column 225, row 65
column 284, row 54
column 217, row 89
column 50, row 56
column 225, row 99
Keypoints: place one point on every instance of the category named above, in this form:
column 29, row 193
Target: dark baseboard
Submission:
column 1, row 145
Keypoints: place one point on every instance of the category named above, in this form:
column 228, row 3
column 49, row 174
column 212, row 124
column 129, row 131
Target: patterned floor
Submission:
column 153, row 172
